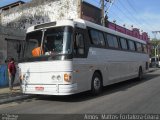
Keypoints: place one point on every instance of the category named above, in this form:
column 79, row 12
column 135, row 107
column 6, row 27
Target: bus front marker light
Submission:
column 59, row 77
column 53, row 77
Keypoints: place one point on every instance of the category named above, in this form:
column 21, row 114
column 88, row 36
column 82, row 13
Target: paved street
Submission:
column 127, row 97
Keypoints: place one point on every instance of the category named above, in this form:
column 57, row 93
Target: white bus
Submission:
column 78, row 55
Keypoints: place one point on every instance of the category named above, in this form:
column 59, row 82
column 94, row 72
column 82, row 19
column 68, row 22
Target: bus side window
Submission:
column 79, row 44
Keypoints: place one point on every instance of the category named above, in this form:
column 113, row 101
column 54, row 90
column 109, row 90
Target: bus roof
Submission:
column 108, row 30
column 82, row 24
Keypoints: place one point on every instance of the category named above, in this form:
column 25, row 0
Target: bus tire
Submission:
column 96, row 85
column 140, row 74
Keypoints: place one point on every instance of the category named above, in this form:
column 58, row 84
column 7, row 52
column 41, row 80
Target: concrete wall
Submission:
column 39, row 11
column 9, row 38
column 91, row 13
column 15, row 20
column 3, row 47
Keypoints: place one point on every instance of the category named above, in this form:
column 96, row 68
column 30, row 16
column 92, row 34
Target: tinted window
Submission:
column 123, row 43
column 94, row 37
column 112, row 41
column 153, row 59
column 97, row 38
column 131, row 45
column 58, row 40
column 139, row 47
column 144, row 48
column 33, row 40
column 54, row 41
column 79, row 44
column 101, row 38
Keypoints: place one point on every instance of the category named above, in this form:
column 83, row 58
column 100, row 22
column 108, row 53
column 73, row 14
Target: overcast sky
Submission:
column 143, row 14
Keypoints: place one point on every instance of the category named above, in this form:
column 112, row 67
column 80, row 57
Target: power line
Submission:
column 112, row 2
column 131, row 6
column 116, row 16
column 130, row 18
column 135, row 10
column 144, row 21
column 103, row 5
column 135, row 19
column 142, row 24
column 124, row 14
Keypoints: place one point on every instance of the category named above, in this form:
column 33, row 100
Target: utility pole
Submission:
column 156, row 47
column 79, row 8
column 104, row 10
column 102, row 13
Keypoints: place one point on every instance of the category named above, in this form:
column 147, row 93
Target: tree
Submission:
column 155, row 44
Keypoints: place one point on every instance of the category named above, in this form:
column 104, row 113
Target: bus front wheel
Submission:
column 96, row 85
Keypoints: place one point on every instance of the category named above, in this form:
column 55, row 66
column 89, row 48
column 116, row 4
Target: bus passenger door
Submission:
column 80, row 66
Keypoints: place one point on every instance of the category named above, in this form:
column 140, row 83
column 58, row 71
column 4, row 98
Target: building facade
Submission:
column 11, row 43
column 17, row 17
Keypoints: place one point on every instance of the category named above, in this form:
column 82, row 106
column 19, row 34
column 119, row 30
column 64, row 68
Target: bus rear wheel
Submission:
column 140, row 74
column 96, row 85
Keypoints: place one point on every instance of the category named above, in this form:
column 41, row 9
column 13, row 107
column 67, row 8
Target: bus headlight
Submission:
column 58, row 77
column 53, row 77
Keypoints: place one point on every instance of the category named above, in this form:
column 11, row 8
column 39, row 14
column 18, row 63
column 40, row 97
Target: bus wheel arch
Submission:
column 97, row 83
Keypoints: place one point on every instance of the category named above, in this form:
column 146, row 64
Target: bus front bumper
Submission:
column 59, row 89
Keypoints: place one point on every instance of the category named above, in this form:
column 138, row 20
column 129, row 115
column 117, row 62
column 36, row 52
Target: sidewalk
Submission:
column 153, row 69
column 7, row 96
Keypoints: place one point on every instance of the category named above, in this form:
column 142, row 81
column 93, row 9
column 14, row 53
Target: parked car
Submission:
column 154, row 62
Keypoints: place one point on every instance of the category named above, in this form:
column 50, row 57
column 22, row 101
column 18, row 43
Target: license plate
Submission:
column 39, row 88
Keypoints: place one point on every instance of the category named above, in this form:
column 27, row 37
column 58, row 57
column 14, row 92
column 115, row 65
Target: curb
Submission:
column 15, row 98
column 153, row 69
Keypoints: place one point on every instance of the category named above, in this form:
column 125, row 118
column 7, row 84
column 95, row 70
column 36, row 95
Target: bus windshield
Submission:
column 48, row 42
